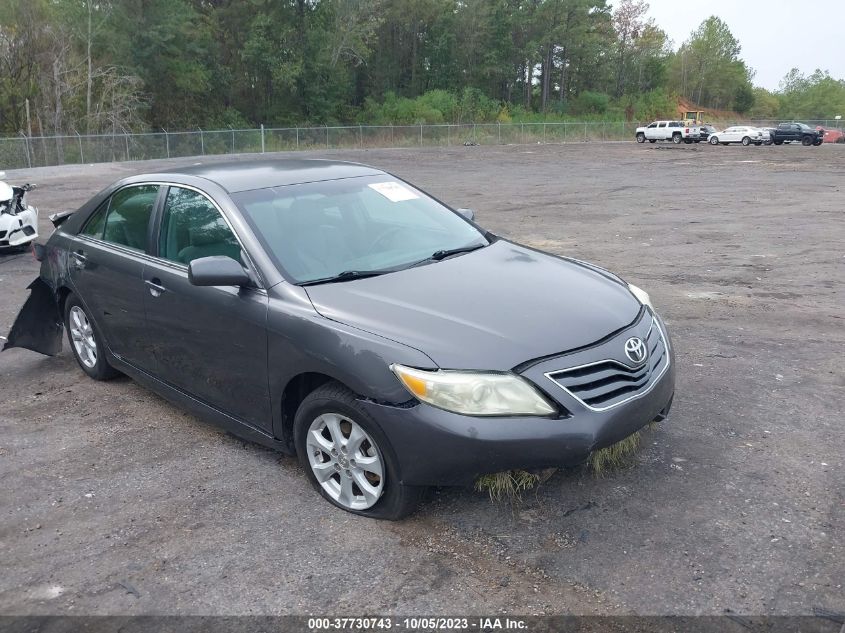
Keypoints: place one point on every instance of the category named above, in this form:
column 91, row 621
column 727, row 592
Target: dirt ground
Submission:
column 115, row 502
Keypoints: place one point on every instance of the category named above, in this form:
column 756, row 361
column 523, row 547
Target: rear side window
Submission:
column 94, row 226
column 661, row 125
column 129, row 216
column 192, row 227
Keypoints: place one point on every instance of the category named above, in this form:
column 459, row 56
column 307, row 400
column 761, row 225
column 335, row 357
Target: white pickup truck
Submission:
column 675, row 131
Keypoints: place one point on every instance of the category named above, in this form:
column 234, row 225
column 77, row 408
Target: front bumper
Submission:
column 433, row 447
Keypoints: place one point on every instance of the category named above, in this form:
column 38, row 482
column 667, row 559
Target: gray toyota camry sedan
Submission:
column 333, row 311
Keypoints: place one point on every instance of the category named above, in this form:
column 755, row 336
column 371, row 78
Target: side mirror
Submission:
column 217, row 270
column 469, row 214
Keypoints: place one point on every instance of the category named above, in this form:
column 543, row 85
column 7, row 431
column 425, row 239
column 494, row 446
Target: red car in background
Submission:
column 832, row 136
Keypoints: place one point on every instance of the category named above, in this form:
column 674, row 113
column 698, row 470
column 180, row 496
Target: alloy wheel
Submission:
column 345, row 461
column 82, row 335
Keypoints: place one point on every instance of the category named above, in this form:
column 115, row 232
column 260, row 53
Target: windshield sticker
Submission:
column 393, row 191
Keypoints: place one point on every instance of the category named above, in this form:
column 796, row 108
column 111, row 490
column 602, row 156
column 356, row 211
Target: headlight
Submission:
column 474, row 393
column 641, row 295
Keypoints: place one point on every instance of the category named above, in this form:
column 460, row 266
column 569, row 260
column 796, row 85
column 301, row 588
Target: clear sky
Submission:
column 775, row 35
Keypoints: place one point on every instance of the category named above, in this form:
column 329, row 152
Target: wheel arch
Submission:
column 294, row 392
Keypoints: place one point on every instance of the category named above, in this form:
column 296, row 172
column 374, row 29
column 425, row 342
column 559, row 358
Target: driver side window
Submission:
column 192, row 227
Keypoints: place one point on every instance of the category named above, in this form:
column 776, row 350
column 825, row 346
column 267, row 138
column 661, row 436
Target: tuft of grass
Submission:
column 507, row 485
column 614, row 456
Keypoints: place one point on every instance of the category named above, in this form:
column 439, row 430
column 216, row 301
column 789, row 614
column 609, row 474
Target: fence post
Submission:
column 233, row 138
column 392, row 142
column 604, row 132
column 544, row 132
column 522, row 133
column 202, row 141
column 26, row 149
column 126, row 138
column 327, row 136
column 500, row 132
column 448, row 135
column 585, row 132
column 167, row 141
column 262, row 138
column 297, row 138
column 360, row 136
column 420, row 134
column 81, row 155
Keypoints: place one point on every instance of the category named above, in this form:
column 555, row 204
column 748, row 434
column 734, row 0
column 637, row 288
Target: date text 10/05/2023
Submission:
column 416, row 624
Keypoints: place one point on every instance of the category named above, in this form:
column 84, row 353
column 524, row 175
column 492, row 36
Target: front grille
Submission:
column 608, row 383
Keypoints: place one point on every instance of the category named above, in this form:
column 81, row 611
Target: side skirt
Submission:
column 202, row 410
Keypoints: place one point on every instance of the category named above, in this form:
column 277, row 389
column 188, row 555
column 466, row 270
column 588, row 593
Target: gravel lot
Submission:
column 116, row 502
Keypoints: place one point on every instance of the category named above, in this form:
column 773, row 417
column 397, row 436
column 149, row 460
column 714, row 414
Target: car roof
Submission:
column 243, row 175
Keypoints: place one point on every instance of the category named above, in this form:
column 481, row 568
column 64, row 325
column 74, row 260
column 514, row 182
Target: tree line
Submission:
column 104, row 66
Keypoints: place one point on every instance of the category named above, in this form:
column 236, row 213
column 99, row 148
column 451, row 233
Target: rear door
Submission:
column 107, row 260
column 210, row 342
column 662, row 131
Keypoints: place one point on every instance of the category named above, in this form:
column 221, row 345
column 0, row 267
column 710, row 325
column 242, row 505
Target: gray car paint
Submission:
column 491, row 309
column 504, row 306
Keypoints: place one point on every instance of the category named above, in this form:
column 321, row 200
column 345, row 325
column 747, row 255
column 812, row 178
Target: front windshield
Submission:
column 319, row 230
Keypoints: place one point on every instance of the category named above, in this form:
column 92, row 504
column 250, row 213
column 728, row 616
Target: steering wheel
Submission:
column 383, row 236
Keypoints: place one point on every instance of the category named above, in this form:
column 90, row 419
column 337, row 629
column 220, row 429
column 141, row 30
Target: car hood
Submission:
column 492, row 309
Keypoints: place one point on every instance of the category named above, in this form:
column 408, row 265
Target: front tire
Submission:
column 746, row 141
column 806, row 141
column 86, row 343
column 347, row 457
column 640, row 138
column 714, row 140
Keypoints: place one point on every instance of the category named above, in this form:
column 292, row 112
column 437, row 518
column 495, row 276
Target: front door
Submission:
column 210, row 342
column 106, row 268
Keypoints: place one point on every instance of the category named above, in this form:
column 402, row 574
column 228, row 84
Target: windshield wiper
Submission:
column 436, row 256
column 346, row 275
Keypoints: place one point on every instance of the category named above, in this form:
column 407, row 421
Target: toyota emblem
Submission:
column 635, row 349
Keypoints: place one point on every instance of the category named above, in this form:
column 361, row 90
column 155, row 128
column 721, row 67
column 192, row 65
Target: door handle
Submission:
column 155, row 286
column 79, row 257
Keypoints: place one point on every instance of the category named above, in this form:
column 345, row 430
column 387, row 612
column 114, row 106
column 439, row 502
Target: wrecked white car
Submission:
column 18, row 220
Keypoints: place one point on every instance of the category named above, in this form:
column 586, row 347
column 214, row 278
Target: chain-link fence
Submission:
column 38, row 151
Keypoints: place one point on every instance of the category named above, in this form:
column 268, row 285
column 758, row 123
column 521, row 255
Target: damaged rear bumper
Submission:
column 38, row 326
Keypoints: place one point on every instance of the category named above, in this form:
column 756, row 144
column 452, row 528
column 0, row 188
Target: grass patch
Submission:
column 614, row 456
column 507, row 485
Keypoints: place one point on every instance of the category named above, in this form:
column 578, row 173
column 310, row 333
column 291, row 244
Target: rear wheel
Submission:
column 347, row 457
column 86, row 342
column 676, row 138
column 778, row 142
column 714, row 140
column 652, row 140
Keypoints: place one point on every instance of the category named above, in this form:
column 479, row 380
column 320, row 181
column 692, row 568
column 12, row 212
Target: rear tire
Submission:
column 778, row 142
column 326, row 426
column 86, row 343
column 652, row 140
column 676, row 138
column 640, row 138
